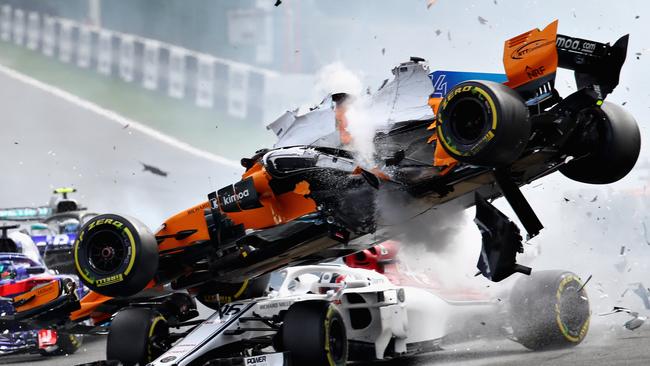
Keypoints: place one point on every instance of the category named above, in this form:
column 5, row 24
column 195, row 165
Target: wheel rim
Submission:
column 156, row 344
column 106, row 251
column 468, row 120
column 337, row 340
column 574, row 309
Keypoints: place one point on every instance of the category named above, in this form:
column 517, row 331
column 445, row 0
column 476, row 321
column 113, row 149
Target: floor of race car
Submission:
column 605, row 345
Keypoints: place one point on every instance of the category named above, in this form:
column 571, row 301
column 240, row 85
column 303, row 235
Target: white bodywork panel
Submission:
column 404, row 98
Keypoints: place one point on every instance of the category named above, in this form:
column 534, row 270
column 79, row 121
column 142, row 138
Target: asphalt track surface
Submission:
column 605, row 345
column 47, row 141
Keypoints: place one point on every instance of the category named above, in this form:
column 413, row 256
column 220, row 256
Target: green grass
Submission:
column 207, row 129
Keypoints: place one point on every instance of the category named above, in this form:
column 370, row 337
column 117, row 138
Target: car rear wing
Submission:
column 532, row 58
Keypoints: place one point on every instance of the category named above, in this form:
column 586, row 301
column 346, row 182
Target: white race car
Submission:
column 332, row 314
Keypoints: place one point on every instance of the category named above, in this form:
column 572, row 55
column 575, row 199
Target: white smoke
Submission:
column 363, row 122
column 337, row 78
column 445, row 245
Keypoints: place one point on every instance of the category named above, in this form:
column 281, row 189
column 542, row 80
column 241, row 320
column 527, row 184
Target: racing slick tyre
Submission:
column 612, row 146
column 314, row 334
column 547, row 311
column 483, row 123
column 115, row 256
column 137, row 336
column 212, row 294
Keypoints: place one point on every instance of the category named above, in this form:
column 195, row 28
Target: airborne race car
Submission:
column 308, row 201
column 331, row 314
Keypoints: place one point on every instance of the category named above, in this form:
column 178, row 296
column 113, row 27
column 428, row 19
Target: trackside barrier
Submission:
column 207, row 81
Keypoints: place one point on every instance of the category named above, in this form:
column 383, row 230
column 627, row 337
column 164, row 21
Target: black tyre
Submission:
column 213, row 293
column 67, row 344
column 137, row 336
column 547, row 310
column 609, row 148
column 314, row 334
column 115, row 256
column 483, row 123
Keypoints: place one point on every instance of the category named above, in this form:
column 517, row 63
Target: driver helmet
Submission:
column 69, row 226
column 374, row 258
column 330, row 278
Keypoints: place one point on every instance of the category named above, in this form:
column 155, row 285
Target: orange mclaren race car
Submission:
column 446, row 141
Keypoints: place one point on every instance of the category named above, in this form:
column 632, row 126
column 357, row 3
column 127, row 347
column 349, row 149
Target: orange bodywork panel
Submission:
column 440, row 157
column 39, row 295
column 274, row 210
column 530, row 55
column 88, row 305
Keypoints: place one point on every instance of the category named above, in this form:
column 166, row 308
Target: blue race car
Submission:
column 22, row 270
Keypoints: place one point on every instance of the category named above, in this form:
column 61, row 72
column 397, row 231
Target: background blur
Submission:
column 189, row 85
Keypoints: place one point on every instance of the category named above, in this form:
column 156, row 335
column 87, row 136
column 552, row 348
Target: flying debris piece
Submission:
column 153, row 170
column 566, row 199
column 278, row 2
column 438, row 32
column 638, row 55
column 584, row 284
column 482, row 20
column 383, row 51
column 622, row 250
column 495, row 2
column 383, row 84
column 632, row 324
column 619, row 309
column 430, row 3
column 594, row 199
column 126, row 126
column 637, row 17
column 625, row 292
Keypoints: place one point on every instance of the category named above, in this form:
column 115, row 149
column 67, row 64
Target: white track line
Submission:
column 117, row 118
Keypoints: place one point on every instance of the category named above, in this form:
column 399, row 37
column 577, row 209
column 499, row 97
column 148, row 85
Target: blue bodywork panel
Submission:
column 54, row 242
column 445, row 80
